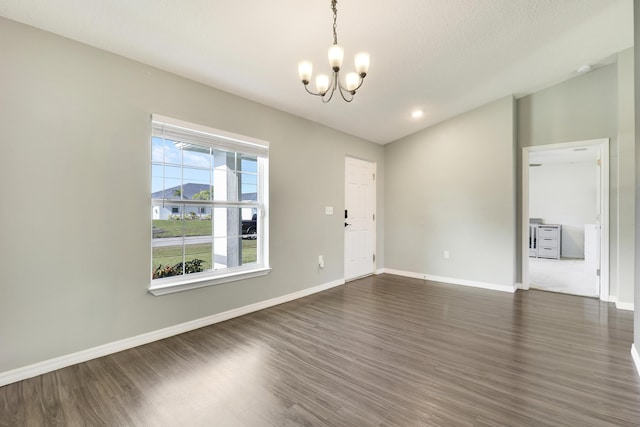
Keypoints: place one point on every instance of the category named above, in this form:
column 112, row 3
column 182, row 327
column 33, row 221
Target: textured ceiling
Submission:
column 443, row 56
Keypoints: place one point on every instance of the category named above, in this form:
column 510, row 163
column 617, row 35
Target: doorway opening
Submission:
column 565, row 199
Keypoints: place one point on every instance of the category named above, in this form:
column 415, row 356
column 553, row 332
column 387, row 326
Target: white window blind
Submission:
column 186, row 132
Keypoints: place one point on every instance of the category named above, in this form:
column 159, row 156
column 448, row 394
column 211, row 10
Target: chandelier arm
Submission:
column 306, row 87
column 333, row 89
column 327, row 99
column 342, row 93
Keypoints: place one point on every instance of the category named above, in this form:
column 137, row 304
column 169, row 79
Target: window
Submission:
column 209, row 192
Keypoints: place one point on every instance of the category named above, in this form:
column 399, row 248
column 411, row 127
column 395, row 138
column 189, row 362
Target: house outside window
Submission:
column 208, row 187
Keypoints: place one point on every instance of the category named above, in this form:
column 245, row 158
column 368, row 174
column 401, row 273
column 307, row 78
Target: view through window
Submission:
column 208, row 202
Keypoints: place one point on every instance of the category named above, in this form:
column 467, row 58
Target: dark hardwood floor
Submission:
column 381, row 351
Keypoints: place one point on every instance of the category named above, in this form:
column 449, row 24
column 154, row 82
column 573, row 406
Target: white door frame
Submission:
column 375, row 213
column 604, row 208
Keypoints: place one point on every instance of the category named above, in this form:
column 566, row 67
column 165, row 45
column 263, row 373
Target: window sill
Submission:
column 200, row 280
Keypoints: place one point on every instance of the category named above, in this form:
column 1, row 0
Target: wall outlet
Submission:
column 320, row 261
column 446, row 254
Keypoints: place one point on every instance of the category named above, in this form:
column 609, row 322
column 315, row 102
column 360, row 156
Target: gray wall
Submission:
column 75, row 226
column 578, row 109
column 452, row 187
column 636, row 314
column 625, row 178
column 583, row 108
column 565, row 193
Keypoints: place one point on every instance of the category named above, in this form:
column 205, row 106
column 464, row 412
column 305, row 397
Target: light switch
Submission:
column 328, row 210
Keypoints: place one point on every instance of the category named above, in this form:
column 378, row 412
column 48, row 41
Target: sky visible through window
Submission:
column 175, row 164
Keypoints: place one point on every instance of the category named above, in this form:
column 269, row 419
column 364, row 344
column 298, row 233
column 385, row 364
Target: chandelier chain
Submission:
column 335, row 17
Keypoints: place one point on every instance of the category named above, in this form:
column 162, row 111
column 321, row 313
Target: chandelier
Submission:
column 326, row 85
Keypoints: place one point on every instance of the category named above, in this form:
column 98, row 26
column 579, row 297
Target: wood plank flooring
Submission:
column 380, row 351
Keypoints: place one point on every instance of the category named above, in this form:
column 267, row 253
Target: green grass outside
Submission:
column 171, row 255
column 173, row 228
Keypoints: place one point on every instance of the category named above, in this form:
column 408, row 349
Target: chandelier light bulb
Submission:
column 362, row 63
column 304, row 70
column 322, row 83
column 336, row 55
column 352, row 80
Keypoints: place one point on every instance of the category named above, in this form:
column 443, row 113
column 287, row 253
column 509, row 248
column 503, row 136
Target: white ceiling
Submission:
column 443, row 56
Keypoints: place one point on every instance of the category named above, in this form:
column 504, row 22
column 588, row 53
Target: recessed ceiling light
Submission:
column 584, row 69
column 417, row 114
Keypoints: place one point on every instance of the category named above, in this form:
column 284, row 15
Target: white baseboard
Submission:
column 379, row 271
column 636, row 357
column 471, row 283
column 621, row 305
column 624, row 306
column 403, row 273
column 453, row 281
column 43, row 367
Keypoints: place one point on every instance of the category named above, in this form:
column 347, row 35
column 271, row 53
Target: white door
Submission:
column 359, row 230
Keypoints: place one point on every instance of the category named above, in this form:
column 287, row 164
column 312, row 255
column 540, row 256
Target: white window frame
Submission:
column 226, row 141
